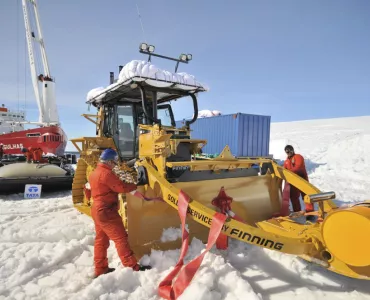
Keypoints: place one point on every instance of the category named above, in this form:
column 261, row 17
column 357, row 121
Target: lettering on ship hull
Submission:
column 12, row 146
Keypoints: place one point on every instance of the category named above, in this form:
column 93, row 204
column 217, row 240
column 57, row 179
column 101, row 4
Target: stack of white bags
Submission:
column 146, row 71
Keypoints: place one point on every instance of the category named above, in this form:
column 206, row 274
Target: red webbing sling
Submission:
column 166, row 290
column 285, row 200
column 223, row 203
column 284, row 210
column 141, row 196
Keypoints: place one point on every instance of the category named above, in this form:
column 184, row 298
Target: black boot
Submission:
column 109, row 270
column 141, row 268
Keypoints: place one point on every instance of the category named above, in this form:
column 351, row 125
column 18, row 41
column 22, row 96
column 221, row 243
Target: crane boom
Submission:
column 45, row 97
column 41, row 41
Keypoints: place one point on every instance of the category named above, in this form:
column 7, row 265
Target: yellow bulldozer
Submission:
column 135, row 118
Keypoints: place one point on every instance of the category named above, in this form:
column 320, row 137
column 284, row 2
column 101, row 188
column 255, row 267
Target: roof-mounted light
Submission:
column 185, row 57
column 143, row 46
column 151, row 48
column 147, row 48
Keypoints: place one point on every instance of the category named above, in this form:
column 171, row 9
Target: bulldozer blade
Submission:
column 254, row 199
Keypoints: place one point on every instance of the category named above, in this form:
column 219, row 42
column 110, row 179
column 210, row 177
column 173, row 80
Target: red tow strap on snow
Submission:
column 166, row 290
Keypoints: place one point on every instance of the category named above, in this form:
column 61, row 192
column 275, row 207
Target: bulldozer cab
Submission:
column 133, row 105
column 122, row 120
column 129, row 114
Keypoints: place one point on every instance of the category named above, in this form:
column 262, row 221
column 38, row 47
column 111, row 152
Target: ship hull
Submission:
column 51, row 139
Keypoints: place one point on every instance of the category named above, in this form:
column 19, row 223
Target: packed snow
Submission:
column 140, row 70
column 46, row 246
column 206, row 113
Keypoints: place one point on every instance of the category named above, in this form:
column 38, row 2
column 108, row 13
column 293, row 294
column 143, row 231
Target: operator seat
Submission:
column 126, row 139
column 126, row 133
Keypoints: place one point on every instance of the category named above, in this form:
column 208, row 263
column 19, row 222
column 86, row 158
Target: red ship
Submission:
column 51, row 139
column 48, row 136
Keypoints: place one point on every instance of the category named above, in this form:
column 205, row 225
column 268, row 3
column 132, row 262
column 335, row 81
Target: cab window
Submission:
column 125, row 129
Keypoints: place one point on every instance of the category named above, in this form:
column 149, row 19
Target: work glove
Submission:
column 125, row 176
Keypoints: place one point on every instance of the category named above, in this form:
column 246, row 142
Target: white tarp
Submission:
column 142, row 70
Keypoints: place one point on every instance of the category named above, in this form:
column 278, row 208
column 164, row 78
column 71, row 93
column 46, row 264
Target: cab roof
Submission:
column 168, row 86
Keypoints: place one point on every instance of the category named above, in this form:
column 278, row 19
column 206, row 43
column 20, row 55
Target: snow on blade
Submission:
column 46, row 246
column 172, row 234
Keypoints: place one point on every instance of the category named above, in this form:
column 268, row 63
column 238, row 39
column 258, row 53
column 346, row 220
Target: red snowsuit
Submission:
column 296, row 165
column 35, row 154
column 105, row 186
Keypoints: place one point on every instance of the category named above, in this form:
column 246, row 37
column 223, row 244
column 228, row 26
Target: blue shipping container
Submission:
column 246, row 135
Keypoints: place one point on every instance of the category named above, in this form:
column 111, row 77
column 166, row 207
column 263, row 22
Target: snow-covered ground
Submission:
column 46, row 246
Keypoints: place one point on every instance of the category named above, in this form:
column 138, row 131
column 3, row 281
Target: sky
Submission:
column 291, row 60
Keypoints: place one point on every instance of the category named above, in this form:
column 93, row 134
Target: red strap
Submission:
column 223, row 203
column 284, row 210
column 141, row 196
column 187, row 273
column 285, row 201
column 165, row 290
column 222, row 242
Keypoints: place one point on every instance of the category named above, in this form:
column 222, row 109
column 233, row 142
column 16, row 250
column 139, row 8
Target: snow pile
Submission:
column 335, row 150
column 208, row 113
column 140, row 70
column 46, row 252
column 172, row 234
column 46, row 246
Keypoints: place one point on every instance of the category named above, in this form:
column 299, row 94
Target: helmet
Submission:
column 109, row 154
column 24, row 150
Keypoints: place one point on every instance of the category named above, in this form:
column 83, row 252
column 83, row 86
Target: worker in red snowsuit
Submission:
column 295, row 163
column 33, row 154
column 105, row 187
